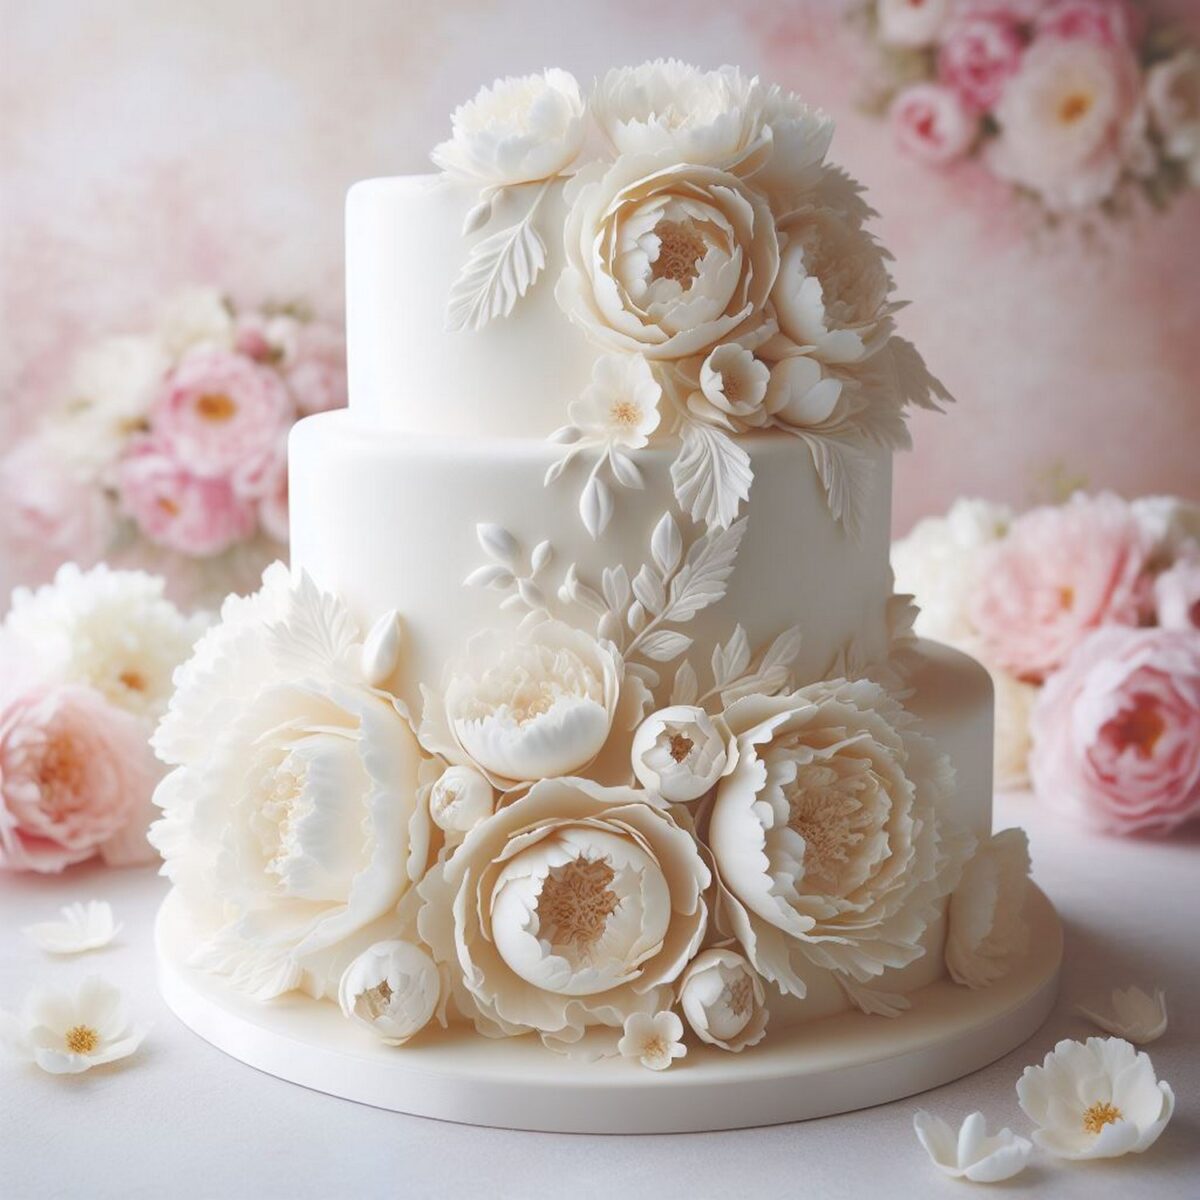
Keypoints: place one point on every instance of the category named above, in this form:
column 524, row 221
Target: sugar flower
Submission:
column 724, row 1001
column 680, row 752
column 460, row 798
column 620, row 405
column 971, row 1153
column 733, row 386
column 1132, row 1014
column 653, row 1040
column 83, row 927
column 392, row 989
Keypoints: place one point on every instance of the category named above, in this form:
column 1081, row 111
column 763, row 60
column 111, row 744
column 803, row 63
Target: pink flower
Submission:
column 219, row 411
column 1109, row 22
column 316, row 371
column 1116, row 733
column 267, row 487
column 931, row 123
column 180, row 510
column 1177, row 595
column 977, row 58
column 1060, row 573
column 76, row 776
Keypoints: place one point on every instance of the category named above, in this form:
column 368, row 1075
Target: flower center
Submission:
column 62, row 775
column 376, row 998
column 575, row 903
column 1100, row 1114
column 680, row 249
column 681, row 746
column 168, row 506
column 216, row 407
column 1140, row 727
column 626, row 413
column 654, row 1047
column 825, row 810
column 274, row 823
column 134, row 680
column 1066, row 598
column 1074, row 107
column 82, row 1039
column 741, row 996
column 532, row 701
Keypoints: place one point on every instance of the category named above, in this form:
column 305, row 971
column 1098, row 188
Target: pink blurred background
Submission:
column 150, row 145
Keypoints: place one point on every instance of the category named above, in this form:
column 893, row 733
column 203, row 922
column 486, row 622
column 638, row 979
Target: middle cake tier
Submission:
column 391, row 521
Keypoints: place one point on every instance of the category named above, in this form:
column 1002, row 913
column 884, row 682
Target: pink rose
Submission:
column 931, row 123
column 180, row 510
column 316, row 371
column 76, row 776
column 1060, row 573
column 1109, row 22
column 219, row 411
column 1116, row 733
column 1177, row 595
column 977, row 58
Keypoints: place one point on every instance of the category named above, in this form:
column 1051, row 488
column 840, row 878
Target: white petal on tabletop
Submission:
column 972, row 1154
column 1134, row 1015
column 83, row 927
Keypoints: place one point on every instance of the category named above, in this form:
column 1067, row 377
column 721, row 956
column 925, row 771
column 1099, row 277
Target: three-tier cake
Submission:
column 585, row 725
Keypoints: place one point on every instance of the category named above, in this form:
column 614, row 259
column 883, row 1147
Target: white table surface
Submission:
column 182, row 1120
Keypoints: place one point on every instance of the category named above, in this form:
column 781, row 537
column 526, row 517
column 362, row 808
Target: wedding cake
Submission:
column 585, row 719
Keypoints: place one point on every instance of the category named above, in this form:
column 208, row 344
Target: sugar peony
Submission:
column 723, row 998
column 1116, row 732
column 1060, row 573
column 680, row 752
column 733, row 386
column 393, row 989
column 930, row 122
column 977, row 58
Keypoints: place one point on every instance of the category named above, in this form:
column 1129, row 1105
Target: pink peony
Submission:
column 931, row 123
column 267, row 486
column 220, row 410
column 180, row 510
column 1060, row 573
column 316, row 371
column 1109, row 22
column 76, row 776
column 1177, row 595
column 977, row 58
column 1116, row 733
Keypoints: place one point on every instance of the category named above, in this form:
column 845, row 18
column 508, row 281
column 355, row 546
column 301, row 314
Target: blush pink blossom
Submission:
column 265, row 483
column 977, row 57
column 1116, row 733
column 316, row 371
column 219, row 410
column 931, row 123
column 76, row 776
column 1060, row 573
column 172, row 506
column 1177, row 595
column 1109, row 22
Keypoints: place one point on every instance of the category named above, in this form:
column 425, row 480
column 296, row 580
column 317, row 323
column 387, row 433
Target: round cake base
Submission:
column 828, row 1066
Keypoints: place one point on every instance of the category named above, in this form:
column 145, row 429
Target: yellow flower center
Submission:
column 1100, row 1114
column 680, row 249
column 575, row 903
column 82, row 1039
column 215, row 406
column 625, row 412
column 132, row 679
column 681, row 746
column 1073, row 107
column 1066, row 598
column 654, row 1047
column 1140, row 727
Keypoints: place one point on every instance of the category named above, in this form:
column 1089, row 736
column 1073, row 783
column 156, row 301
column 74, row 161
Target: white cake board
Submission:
column 828, row 1066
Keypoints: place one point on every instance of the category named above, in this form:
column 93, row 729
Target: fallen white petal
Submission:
column 971, row 1153
column 1134, row 1015
column 83, row 927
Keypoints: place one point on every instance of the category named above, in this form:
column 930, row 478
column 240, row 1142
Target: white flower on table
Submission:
column 460, row 798
column 620, row 405
column 1095, row 1099
column 1133, row 1014
column 393, row 989
column 83, row 927
column 653, row 1040
column 723, row 998
column 65, row 1033
column 971, row 1153
column 680, row 752
column 733, row 386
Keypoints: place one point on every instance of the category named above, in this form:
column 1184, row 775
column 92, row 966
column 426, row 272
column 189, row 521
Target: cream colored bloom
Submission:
column 911, row 22
column 66, row 1033
column 1095, row 1099
column 620, row 405
column 197, row 316
column 653, row 1040
column 1173, row 94
column 460, row 798
column 518, row 130
column 393, row 989
column 802, row 395
column 1132, row 1014
column 723, row 999
column 733, row 386
column 988, row 926
column 971, row 1153
column 567, row 911
column 83, row 927
column 680, row 752
column 826, row 835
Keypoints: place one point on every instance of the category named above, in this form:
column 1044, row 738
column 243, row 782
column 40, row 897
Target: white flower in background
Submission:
column 802, row 396
column 1177, row 594
column 620, row 405
column 723, row 999
column 1173, row 95
column 911, row 22
column 826, row 836
column 680, row 752
column 519, row 130
column 667, row 106
column 112, row 630
column 733, row 386
column 290, row 820
column 1132, row 1014
column 667, row 260
column 66, row 1033
column 393, row 989
column 460, row 798
column 567, row 911
column 1014, row 701
column 197, row 316
column 653, row 1040
column 971, row 1153
column 83, row 927
column 1095, row 1099
column 987, row 925
column 1171, row 526
column 938, row 564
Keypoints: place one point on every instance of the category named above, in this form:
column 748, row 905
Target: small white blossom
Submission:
column 460, row 799
column 83, row 927
column 1133, row 1015
column 971, row 1153
column 680, row 752
column 197, row 316
column 393, row 989
column 620, row 405
column 733, row 386
column 653, row 1040
column 724, row 1001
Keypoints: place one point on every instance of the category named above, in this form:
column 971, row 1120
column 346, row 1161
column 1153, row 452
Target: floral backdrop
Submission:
column 148, row 147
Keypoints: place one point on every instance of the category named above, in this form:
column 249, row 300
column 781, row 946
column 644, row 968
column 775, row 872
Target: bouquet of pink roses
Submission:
column 1077, row 103
column 1087, row 614
column 171, row 445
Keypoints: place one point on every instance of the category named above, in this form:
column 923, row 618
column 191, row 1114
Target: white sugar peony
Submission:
column 393, row 989
column 521, row 129
column 723, row 999
column 1132, row 1014
column 620, row 405
column 655, row 1041
column 911, row 22
column 1173, row 95
column 987, row 921
column 733, row 388
column 802, row 395
column 290, row 820
column 1095, row 1099
column 971, row 1153
column 826, row 835
column 197, row 316
column 680, row 752
column 567, row 911
column 460, row 798
column 81, row 927
column 795, row 171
